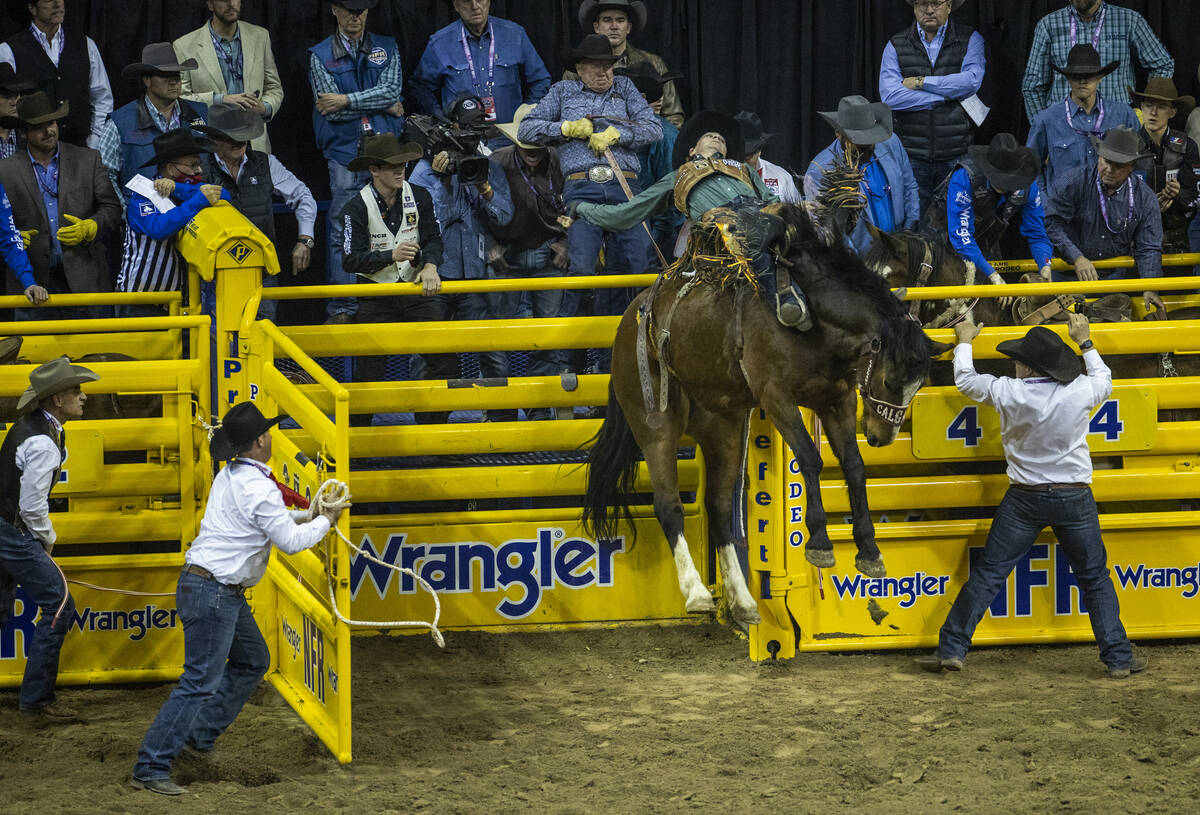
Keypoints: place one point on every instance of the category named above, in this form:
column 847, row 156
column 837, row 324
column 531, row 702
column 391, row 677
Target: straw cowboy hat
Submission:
column 243, row 423
column 53, row 377
column 159, row 56
column 36, row 109
column 709, row 121
column 385, row 148
column 1084, row 60
column 1008, row 165
column 232, row 123
column 1120, row 145
column 177, row 143
column 1162, row 89
column 510, row 129
column 589, row 10
column 861, row 121
column 1045, row 352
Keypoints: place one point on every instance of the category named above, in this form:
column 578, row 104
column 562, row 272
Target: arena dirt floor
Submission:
column 657, row 719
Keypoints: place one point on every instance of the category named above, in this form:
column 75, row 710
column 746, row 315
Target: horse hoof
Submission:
column 821, row 558
column 871, row 568
column 747, row 617
column 701, row 603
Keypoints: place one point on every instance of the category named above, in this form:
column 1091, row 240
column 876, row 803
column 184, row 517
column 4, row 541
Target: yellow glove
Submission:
column 599, row 142
column 27, row 236
column 578, row 129
column 80, row 230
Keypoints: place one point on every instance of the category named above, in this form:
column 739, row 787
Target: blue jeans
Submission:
column 537, row 262
column 24, row 558
column 1194, row 239
column 343, row 185
column 224, row 657
column 929, row 174
column 1020, row 518
column 481, row 306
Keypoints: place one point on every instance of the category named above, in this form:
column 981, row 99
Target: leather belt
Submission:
column 1071, row 485
column 200, row 571
column 599, row 174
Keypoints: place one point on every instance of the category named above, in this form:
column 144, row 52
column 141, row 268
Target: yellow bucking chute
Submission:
column 220, row 237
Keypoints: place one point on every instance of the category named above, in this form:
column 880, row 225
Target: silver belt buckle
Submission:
column 601, row 175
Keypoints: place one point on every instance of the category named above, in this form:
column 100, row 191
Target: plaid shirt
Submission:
column 110, row 142
column 8, row 145
column 1124, row 34
column 381, row 97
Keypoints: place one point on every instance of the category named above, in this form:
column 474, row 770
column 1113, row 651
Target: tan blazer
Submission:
column 83, row 191
column 258, row 69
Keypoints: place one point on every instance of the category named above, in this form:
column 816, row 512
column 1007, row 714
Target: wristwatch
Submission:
column 307, row 241
column 1086, row 344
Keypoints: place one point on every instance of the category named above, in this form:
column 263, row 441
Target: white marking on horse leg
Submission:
column 697, row 595
column 741, row 605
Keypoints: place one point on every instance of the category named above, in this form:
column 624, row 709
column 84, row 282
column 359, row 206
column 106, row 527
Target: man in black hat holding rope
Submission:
column 1044, row 414
column 1107, row 211
column 31, row 458
column 224, row 654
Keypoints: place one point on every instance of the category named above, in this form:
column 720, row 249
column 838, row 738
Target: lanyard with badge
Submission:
column 487, row 98
column 1095, row 34
column 1104, row 205
column 225, row 51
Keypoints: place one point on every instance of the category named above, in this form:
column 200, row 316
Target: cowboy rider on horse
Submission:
column 709, row 173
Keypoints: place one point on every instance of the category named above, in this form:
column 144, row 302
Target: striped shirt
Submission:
column 149, row 261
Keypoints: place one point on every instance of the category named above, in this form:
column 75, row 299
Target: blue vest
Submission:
column 138, row 132
column 339, row 140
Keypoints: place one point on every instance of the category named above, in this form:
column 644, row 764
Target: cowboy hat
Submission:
column 1084, row 60
column 647, row 80
column 178, row 143
column 594, row 47
column 232, row 123
column 35, row 109
column 1045, row 352
column 752, row 130
column 510, row 129
column 1120, row 146
column 53, row 377
column 159, row 56
column 355, row 5
column 1162, row 89
column 589, row 10
column 862, row 122
column 382, row 149
column 957, row 3
column 1007, row 165
column 243, row 423
column 709, row 121
column 9, row 81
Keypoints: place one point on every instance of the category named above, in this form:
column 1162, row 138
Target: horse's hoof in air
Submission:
column 871, row 568
column 821, row 558
column 701, row 602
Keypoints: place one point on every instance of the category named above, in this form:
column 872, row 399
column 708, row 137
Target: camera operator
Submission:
column 466, row 202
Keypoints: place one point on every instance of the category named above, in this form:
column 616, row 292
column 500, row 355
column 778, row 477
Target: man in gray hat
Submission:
column 928, row 71
column 127, row 141
column 31, row 458
column 253, row 179
column 1171, row 169
column 64, row 203
column 1044, row 414
column 865, row 139
column 1105, row 211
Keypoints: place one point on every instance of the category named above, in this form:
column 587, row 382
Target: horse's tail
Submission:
column 612, row 467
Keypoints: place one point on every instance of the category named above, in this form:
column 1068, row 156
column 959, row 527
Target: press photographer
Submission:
column 457, row 139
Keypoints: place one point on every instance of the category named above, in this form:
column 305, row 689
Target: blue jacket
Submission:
column 138, row 131
column 443, row 73
column 902, row 187
column 960, row 215
column 463, row 216
column 144, row 218
column 11, row 246
column 338, row 140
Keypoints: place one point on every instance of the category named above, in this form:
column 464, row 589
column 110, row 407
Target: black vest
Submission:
column 992, row 216
column 31, row 424
column 944, row 131
column 1169, row 156
column 66, row 82
column 252, row 192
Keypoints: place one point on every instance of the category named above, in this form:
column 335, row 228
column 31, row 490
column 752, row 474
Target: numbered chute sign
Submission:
column 948, row 425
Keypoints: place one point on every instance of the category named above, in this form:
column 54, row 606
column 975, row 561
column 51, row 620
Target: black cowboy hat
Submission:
column 1121, row 146
column 232, row 123
column 355, row 5
column 1084, row 60
column 957, row 3
column 709, row 121
column 752, row 130
column 384, row 148
column 1162, row 89
column 861, row 121
column 1007, row 165
column 1045, row 352
column 595, row 47
column 178, row 143
column 647, row 80
column 589, row 10
column 36, row 109
column 10, row 82
column 243, row 423
column 159, row 56
column 53, row 377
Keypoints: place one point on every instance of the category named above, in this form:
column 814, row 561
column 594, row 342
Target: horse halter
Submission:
column 891, row 413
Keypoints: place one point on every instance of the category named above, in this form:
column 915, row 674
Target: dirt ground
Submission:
column 657, row 719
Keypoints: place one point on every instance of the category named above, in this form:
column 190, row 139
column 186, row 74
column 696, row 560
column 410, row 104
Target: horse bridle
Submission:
column 952, row 314
column 926, row 271
column 891, row 413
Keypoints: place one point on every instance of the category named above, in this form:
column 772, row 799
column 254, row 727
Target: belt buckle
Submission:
column 599, row 174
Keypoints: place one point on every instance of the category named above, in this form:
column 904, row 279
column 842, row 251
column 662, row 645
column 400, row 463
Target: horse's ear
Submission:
column 936, row 349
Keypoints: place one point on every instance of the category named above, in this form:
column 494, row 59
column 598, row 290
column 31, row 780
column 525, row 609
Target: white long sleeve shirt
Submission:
column 1043, row 423
column 38, row 460
column 294, row 192
column 245, row 516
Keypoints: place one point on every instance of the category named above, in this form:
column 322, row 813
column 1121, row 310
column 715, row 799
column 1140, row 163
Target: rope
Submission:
column 334, row 494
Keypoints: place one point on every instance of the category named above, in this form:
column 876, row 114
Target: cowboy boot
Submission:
column 791, row 307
